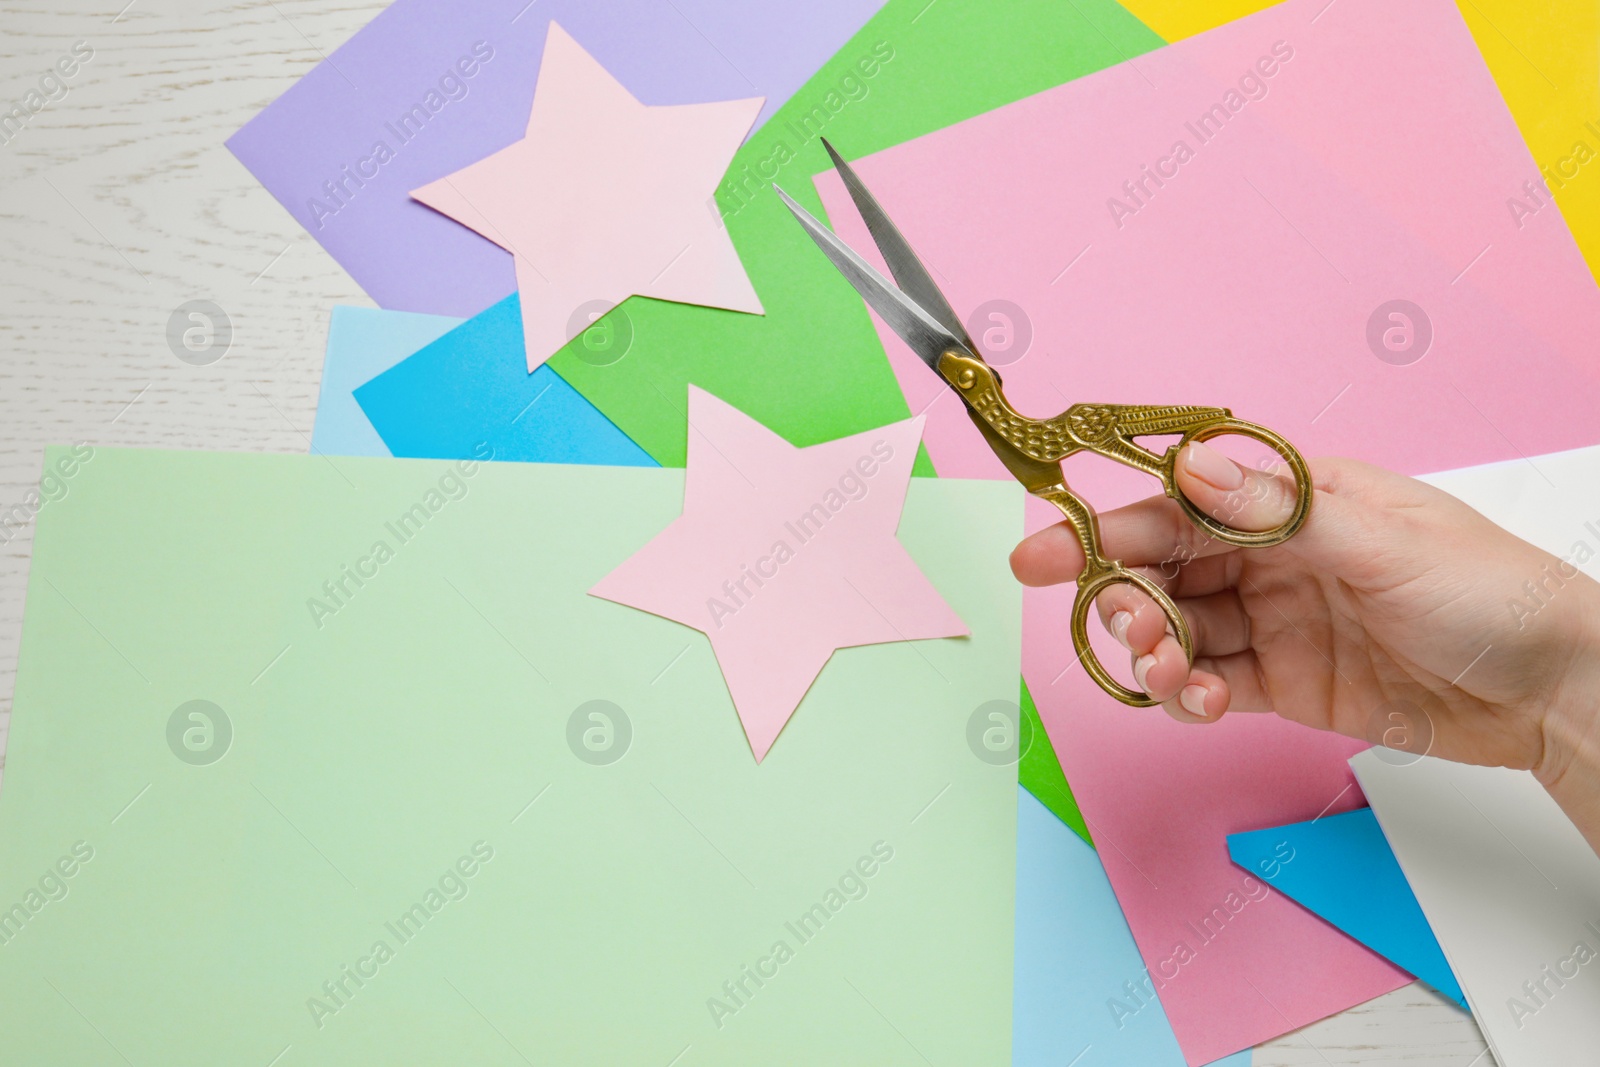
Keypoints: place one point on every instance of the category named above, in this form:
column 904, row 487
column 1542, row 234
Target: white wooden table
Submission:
column 118, row 203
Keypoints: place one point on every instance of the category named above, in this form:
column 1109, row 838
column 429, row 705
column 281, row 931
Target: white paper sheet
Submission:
column 1508, row 884
column 1513, row 893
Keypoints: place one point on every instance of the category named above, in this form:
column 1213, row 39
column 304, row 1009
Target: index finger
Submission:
column 1147, row 533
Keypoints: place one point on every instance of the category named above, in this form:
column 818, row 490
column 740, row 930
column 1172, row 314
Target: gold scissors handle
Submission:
column 1032, row 449
column 1098, row 575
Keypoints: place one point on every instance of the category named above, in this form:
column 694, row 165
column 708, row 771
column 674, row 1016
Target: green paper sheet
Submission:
column 812, row 367
column 1039, row 771
column 418, row 762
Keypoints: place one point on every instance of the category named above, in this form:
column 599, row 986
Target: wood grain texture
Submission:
column 119, row 203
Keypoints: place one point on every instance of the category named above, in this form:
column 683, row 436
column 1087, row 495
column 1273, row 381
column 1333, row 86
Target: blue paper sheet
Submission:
column 362, row 344
column 1342, row 869
column 469, row 395
column 1082, row 994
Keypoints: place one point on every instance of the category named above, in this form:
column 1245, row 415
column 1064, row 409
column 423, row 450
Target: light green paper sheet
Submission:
column 812, row 368
column 426, row 722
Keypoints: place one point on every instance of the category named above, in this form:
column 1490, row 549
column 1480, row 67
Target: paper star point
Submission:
column 783, row 555
column 605, row 198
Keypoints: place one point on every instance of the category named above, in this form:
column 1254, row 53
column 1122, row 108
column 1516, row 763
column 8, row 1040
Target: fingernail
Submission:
column 1213, row 468
column 1141, row 667
column 1120, row 621
column 1193, row 699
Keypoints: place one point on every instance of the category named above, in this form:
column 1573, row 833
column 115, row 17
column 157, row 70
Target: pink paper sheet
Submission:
column 1372, row 165
column 603, row 198
column 783, row 555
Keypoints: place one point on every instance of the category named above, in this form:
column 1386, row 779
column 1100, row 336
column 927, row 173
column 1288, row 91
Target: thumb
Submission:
column 1235, row 495
column 1343, row 534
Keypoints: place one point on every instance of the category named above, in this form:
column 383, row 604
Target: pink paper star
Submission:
column 782, row 555
column 604, row 198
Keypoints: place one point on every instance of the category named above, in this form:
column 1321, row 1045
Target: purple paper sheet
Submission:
column 439, row 84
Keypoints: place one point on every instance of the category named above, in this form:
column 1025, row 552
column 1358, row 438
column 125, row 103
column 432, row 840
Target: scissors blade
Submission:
column 927, row 337
column 909, row 273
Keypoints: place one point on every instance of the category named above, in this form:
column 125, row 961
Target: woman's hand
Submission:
column 1397, row 612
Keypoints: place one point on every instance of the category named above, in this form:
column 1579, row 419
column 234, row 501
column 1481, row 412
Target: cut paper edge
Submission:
column 764, row 723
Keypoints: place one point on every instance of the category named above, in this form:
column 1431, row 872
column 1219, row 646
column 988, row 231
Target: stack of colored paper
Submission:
column 486, row 734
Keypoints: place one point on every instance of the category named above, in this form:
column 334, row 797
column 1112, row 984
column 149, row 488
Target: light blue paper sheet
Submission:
column 1082, row 994
column 362, row 344
column 1342, row 869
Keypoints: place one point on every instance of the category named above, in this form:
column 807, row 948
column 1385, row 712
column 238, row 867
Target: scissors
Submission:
column 1032, row 449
